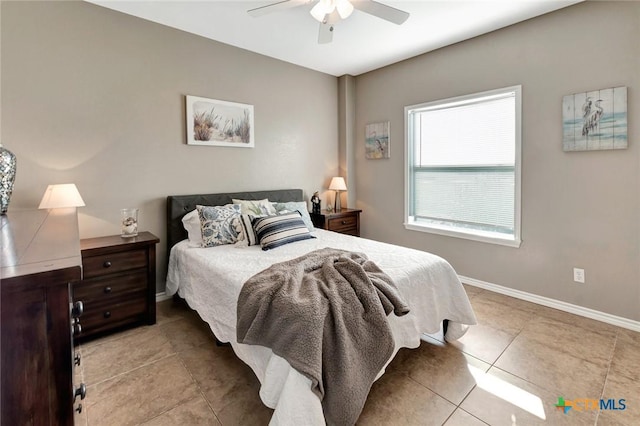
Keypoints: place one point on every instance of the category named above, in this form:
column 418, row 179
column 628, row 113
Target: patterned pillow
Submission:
column 292, row 206
column 219, row 224
column 275, row 231
column 255, row 207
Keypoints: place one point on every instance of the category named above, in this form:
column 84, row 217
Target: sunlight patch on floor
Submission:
column 508, row 392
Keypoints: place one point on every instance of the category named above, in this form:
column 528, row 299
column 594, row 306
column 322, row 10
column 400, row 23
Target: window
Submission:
column 463, row 166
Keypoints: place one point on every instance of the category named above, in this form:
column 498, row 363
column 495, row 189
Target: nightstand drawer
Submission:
column 94, row 266
column 99, row 288
column 98, row 318
column 343, row 224
column 345, row 221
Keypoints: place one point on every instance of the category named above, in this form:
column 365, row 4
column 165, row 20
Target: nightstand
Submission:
column 118, row 287
column 345, row 221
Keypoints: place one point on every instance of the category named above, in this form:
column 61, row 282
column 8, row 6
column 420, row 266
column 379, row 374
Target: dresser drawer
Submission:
column 102, row 317
column 344, row 224
column 95, row 289
column 94, row 266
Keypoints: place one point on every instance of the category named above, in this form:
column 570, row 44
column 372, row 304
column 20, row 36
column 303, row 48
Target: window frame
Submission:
column 451, row 231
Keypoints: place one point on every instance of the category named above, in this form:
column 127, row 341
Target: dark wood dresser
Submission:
column 119, row 283
column 40, row 258
column 345, row 221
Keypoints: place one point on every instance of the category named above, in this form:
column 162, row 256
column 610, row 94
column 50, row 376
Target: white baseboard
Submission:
column 162, row 296
column 556, row 304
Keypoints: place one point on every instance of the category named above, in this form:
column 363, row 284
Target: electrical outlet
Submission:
column 578, row 275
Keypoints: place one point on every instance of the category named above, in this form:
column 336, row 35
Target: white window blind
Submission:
column 463, row 166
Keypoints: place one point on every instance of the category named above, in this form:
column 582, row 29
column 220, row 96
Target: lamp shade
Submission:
column 338, row 184
column 60, row 196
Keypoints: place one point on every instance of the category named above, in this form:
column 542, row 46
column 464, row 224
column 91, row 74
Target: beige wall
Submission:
column 96, row 97
column 578, row 209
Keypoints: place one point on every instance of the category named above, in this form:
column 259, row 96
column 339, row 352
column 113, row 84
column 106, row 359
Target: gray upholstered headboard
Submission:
column 179, row 205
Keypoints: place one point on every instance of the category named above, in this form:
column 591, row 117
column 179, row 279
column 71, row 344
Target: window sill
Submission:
column 484, row 237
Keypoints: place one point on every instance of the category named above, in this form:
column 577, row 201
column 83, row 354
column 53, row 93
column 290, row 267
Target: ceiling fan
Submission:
column 328, row 12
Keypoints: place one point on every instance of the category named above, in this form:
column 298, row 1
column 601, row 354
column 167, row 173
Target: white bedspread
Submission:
column 210, row 279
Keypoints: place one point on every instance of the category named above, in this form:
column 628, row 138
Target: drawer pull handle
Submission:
column 76, row 329
column 107, row 314
column 107, row 264
column 344, row 222
column 80, row 392
column 107, row 290
column 78, row 309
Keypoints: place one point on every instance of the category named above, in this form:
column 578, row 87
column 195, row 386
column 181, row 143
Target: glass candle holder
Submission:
column 129, row 222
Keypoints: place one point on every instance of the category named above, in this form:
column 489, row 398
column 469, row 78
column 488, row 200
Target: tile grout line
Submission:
column 606, row 377
column 119, row 335
column 543, row 387
column 194, row 380
column 200, row 392
column 182, row 402
column 175, row 352
column 133, row 369
column 491, row 365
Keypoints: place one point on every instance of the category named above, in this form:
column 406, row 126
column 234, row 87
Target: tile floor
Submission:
column 510, row 369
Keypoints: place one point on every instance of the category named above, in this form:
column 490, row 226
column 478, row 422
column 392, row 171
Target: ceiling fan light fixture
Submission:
column 345, row 8
column 323, row 8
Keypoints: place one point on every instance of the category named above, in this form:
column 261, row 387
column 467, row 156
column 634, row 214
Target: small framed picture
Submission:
column 219, row 123
column 376, row 141
column 595, row 120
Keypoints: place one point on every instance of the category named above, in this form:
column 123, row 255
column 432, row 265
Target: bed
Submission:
column 210, row 281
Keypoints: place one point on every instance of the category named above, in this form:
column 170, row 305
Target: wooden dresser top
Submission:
column 36, row 241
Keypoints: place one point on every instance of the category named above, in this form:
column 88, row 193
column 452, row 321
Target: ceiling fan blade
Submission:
column 325, row 33
column 275, row 7
column 382, row 11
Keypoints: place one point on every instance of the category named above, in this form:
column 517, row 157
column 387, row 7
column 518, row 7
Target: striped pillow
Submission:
column 249, row 235
column 275, row 231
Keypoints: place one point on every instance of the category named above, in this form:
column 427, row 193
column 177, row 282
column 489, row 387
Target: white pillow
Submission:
column 191, row 223
column 255, row 207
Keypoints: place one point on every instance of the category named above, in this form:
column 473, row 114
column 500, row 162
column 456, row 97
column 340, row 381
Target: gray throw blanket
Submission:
column 325, row 313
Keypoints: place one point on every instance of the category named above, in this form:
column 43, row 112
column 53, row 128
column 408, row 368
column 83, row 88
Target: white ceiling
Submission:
column 361, row 43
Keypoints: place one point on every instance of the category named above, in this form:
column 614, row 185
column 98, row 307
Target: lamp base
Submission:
column 337, row 204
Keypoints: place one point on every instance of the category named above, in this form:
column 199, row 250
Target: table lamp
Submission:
column 61, row 196
column 337, row 184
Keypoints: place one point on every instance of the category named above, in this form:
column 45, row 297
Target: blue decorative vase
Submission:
column 7, row 177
